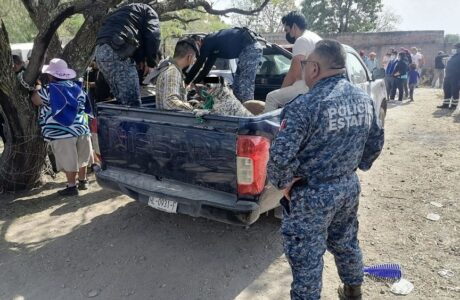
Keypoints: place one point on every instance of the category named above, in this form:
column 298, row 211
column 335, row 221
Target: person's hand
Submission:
column 195, row 103
column 287, row 190
column 147, row 70
column 191, row 86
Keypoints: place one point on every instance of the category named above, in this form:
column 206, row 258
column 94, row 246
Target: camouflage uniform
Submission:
column 325, row 136
column 249, row 61
column 121, row 75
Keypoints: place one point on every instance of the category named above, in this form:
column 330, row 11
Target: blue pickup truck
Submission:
column 212, row 167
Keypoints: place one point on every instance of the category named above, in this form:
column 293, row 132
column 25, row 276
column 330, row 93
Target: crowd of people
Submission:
column 403, row 72
column 312, row 159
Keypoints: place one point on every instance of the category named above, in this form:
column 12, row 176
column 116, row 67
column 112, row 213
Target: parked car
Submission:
column 212, row 167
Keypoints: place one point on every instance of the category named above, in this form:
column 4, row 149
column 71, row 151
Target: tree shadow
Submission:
column 442, row 112
column 456, row 117
column 137, row 252
column 10, row 196
column 28, row 206
column 393, row 104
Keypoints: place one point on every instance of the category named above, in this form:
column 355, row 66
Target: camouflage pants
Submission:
column 121, row 75
column 322, row 216
column 245, row 76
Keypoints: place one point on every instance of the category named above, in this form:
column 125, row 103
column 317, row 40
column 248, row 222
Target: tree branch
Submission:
column 43, row 39
column 170, row 17
column 209, row 9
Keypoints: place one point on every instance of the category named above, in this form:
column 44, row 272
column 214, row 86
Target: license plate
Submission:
column 169, row 206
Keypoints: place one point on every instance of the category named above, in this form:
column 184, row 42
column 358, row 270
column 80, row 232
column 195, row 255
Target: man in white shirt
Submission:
column 304, row 43
column 417, row 59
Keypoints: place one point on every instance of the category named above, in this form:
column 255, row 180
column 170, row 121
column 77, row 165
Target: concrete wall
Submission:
column 430, row 42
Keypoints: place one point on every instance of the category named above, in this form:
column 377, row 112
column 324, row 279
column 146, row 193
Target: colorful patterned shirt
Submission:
column 53, row 130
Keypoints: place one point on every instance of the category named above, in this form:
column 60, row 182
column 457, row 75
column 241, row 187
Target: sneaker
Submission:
column 83, row 184
column 443, row 106
column 453, row 107
column 69, row 191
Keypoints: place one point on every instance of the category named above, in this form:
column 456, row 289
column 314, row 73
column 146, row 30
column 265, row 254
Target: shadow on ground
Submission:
column 132, row 252
column 393, row 104
column 443, row 112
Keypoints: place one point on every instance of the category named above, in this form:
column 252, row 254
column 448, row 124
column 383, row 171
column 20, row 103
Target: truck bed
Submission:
column 174, row 155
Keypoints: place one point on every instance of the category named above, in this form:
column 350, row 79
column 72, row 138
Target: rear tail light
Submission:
column 251, row 164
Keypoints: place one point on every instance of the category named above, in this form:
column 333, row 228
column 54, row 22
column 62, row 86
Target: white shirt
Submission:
column 417, row 58
column 305, row 44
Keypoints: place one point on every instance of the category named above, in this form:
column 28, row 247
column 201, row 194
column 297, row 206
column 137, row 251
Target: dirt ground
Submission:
column 104, row 245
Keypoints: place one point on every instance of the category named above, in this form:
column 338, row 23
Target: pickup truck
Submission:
column 212, row 167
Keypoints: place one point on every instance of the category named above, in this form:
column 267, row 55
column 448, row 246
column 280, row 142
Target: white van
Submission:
column 24, row 50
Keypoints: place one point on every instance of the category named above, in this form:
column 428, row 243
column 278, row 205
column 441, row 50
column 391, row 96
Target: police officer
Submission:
column 230, row 43
column 129, row 35
column 452, row 80
column 325, row 135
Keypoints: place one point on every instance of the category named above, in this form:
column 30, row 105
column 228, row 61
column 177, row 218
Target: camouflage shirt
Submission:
column 327, row 133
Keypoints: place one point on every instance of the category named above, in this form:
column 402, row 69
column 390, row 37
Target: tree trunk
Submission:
column 24, row 152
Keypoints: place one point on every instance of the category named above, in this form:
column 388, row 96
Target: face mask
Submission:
column 291, row 40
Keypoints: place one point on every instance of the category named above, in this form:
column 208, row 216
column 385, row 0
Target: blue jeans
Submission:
column 398, row 84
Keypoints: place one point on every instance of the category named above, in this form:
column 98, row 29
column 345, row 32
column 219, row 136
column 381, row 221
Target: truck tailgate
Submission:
column 170, row 145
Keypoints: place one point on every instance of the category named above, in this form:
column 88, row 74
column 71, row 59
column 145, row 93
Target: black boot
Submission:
column 69, row 191
column 350, row 292
column 83, row 184
column 443, row 106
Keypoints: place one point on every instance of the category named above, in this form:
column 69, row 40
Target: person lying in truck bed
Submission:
column 171, row 93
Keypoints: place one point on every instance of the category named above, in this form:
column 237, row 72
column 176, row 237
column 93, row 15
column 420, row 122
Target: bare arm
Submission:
column 36, row 99
column 295, row 71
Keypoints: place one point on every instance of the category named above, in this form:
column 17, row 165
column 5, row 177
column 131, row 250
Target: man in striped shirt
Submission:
column 170, row 87
column 64, row 123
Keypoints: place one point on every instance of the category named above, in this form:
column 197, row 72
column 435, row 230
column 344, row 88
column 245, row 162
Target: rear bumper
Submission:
column 192, row 200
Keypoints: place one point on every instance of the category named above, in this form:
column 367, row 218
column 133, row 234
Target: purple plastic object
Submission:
column 384, row 271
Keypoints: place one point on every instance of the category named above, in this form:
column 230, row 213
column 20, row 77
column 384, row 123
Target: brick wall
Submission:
column 430, row 42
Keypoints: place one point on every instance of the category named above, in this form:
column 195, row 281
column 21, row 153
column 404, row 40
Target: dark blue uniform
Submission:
column 325, row 136
column 452, row 81
column 131, row 28
column 228, row 44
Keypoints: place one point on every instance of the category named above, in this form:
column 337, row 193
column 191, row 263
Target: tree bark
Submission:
column 24, row 152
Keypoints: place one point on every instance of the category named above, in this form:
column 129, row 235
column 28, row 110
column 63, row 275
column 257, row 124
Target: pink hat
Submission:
column 59, row 69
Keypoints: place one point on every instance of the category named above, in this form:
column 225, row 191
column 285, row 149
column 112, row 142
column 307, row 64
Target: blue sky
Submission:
column 416, row 14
